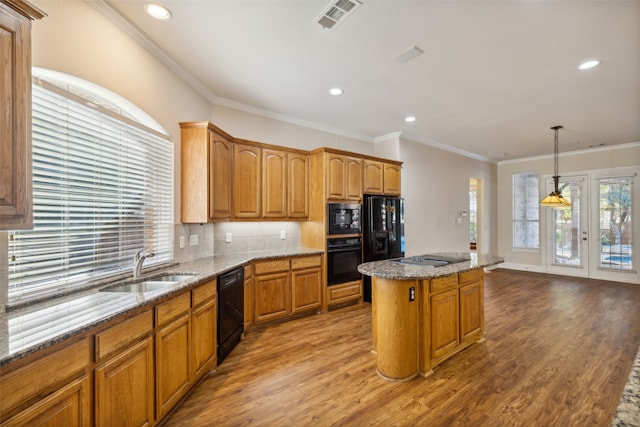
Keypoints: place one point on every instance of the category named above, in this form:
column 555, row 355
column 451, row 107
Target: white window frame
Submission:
column 527, row 214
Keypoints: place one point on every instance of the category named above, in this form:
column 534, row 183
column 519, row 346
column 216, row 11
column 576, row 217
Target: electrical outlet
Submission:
column 182, row 242
column 193, row 240
column 283, row 235
column 228, row 238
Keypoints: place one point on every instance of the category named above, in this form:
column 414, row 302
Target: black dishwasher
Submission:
column 230, row 311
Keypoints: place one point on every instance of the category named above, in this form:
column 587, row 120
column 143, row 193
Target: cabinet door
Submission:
column 307, row 290
column 15, row 121
column 373, row 177
column 298, row 174
column 247, row 177
column 248, row 297
column 219, row 177
column 124, row 388
column 274, row 184
column 444, row 323
column 354, row 178
column 272, row 296
column 70, row 406
column 204, row 337
column 172, row 364
column 471, row 312
column 336, row 176
column 391, row 179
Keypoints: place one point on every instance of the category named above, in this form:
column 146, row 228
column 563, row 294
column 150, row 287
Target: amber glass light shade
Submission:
column 555, row 200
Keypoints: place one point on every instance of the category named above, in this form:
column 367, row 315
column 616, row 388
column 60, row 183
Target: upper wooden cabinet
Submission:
column 16, row 205
column 381, row 177
column 274, row 183
column 298, row 188
column 247, row 180
column 343, row 177
column 205, row 173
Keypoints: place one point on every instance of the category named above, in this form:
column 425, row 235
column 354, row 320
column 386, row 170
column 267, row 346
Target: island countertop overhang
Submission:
column 393, row 269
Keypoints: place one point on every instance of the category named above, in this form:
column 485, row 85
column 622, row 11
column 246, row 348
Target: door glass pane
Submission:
column 615, row 223
column 566, row 236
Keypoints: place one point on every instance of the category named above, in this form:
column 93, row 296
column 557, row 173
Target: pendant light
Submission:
column 555, row 199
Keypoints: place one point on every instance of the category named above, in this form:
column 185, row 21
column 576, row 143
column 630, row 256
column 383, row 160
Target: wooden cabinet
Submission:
column 51, row 390
column 247, row 181
column 306, row 281
column 381, row 178
column 248, row 296
column 15, row 114
column 457, row 313
column 172, row 352
column 343, row 177
column 274, row 184
column 271, row 290
column 124, row 383
column 204, row 321
column 344, row 293
column 444, row 323
column 205, row 173
column 285, row 287
column 392, row 182
column 124, row 389
column 471, row 305
column 298, row 186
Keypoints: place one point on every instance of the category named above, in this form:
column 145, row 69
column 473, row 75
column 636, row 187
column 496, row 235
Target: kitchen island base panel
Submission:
column 396, row 326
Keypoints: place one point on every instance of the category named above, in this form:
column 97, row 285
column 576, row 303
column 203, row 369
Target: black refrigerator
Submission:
column 383, row 232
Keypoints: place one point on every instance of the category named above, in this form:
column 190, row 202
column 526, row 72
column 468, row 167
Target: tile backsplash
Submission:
column 245, row 237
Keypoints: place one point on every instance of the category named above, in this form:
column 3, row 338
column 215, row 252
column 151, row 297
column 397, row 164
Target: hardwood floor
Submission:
column 558, row 352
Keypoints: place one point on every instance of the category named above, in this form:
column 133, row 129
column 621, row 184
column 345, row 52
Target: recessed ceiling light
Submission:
column 157, row 11
column 589, row 64
column 410, row 119
column 336, row 91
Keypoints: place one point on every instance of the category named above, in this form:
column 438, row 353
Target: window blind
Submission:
column 526, row 220
column 102, row 190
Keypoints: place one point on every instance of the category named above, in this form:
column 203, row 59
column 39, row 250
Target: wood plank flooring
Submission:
column 558, row 352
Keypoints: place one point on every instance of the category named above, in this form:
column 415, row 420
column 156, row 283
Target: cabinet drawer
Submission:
column 443, row 283
column 123, row 333
column 172, row 308
column 36, row 378
column 471, row 276
column 306, row 262
column 204, row 293
column 271, row 266
column 344, row 292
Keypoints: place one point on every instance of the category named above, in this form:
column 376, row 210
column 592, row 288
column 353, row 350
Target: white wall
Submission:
column 435, row 185
column 571, row 162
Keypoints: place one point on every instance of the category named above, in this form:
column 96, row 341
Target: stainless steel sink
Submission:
column 152, row 284
column 140, row 287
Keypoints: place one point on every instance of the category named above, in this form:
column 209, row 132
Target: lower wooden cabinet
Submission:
column 248, row 296
column 344, row 293
column 204, row 321
column 172, row 363
column 285, row 287
column 444, row 323
column 124, row 388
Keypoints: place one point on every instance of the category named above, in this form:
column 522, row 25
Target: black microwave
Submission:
column 344, row 218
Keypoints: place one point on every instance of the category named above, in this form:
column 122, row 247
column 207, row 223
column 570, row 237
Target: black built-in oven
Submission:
column 344, row 218
column 343, row 257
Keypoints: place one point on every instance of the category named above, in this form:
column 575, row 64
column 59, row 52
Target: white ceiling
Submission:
column 495, row 75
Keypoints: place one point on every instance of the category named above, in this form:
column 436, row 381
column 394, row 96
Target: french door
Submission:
column 594, row 236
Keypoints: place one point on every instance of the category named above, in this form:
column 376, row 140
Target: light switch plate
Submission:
column 283, row 235
column 182, row 242
column 228, row 237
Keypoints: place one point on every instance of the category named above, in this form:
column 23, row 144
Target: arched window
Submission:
column 102, row 190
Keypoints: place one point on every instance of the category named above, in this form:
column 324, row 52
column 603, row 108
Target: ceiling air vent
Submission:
column 336, row 12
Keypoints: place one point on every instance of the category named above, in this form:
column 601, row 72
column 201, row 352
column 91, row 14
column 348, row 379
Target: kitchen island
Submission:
column 425, row 309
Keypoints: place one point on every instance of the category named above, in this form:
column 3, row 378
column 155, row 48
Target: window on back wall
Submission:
column 102, row 190
column 526, row 218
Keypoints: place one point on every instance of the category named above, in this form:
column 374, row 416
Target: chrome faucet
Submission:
column 138, row 259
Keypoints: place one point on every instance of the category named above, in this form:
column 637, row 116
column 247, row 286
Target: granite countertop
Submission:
column 400, row 269
column 26, row 330
column 628, row 412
